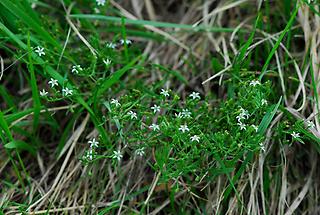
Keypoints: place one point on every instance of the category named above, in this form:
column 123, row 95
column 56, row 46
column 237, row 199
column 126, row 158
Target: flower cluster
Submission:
column 112, row 45
column 53, row 82
column 76, row 69
column 90, row 154
column 176, row 128
column 244, row 114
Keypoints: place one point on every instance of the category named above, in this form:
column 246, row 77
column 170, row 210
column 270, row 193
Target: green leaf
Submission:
column 20, row 145
column 34, row 87
column 239, row 59
column 268, row 117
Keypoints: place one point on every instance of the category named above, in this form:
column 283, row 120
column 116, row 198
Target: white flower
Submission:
column 262, row 147
column 164, row 92
column 132, row 115
column 254, row 83
column 255, row 127
column 310, row 124
column 186, row 113
column 154, row 127
column 40, row 51
column 195, row 95
column 184, row 128
column 107, row 62
column 43, row 92
column 76, row 69
column 115, row 102
column 117, row 155
column 244, row 113
column 140, row 152
column 93, row 143
column 240, row 117
column 101, row 2
column 264, row 102
column 53, row 82
column 179, row 115
column 128, row 42
column 155, row 108
column 111, row 45
column 242, row 126
column 66, row 91
column 195, row 138
column 295, row 135
column 89, row 155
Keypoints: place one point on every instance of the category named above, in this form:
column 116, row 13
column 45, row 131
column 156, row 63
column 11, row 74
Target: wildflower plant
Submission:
column 187, row 132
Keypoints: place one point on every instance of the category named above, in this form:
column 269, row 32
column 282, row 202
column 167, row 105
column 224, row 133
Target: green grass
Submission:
column 157, row 140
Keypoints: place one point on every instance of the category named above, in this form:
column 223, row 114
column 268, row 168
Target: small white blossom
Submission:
column 242, row 126
column 128, row 42
column 186, row 113
column 262, row 147
column 76, row 69
column 155, row 108
column 165, row 93
column 244, row 113
column 254, row 83
column 107, row 62
column 310, row 124
column 154, row 127
column 195, row 138
column 132, row 115
column 66, row 91
column 264, row 102
column 93, row 143
column 53, row 82
column 115, row 102
column 101, row 2
column 295, row 135
column 111, row 45
column 184, row 128
column 239, row 117
column 140, row 152
column 89, row 155
column 255, row 127
column 179, row 115
column 43, row 92
column 40, row 51
column 195, row 95
column 117, row 155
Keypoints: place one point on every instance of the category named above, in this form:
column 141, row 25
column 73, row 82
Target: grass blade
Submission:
column 20, row 145
column 151, row 23
column 34, row 87
column 13, row 7
column 275, row 47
